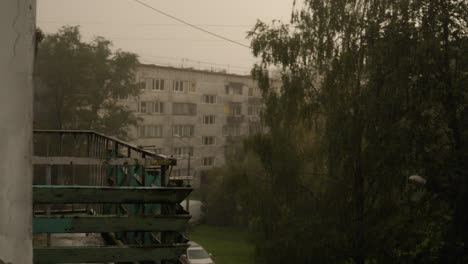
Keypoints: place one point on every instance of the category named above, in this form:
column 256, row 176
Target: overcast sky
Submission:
column 162, row 40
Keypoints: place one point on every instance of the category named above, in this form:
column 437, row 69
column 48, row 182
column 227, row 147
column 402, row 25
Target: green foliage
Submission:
column 231, row 194
column 228, row 245
column 372, row 92
column 77, row 84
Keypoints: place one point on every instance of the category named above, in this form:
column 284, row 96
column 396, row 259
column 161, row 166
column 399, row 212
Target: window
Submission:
column 182, row 151
column 237, row 90
column 151, row 107
column 184, row 109
column 178, row 86
column 232, row 130
column 209, row 99
column 208, row 140
column 193, row 87
column 157, row 107
column 234, row 88
column 151, row 84
column 208, row 161
column 150, row 131
column 158, row 84
column 209, row 119
column 235, row 109
column 142, row 84
column 142, row 107
column 183, row 130
column 251, row 91
column 145, row 83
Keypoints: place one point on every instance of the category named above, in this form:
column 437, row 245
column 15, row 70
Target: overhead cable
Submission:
column 191, row 25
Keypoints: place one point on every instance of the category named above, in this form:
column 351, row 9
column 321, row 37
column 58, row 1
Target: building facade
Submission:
column 17, row 27
column 192, row 112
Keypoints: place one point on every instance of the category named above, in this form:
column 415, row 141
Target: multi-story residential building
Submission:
column 193, row 112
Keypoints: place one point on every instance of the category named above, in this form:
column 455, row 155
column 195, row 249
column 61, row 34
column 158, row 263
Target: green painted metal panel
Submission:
column 131, row 213
column 136, row 180
column 107, row 254
column 101, row 224
column 43, row 194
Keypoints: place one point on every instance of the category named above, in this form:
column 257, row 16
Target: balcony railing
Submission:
column 86, row 182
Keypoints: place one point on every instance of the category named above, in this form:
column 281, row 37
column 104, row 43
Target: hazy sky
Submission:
column 161, row 40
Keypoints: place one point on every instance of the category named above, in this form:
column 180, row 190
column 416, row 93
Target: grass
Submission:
column 229, row 245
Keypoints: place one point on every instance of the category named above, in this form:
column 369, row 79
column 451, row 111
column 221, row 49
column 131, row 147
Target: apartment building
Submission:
column 193, row 112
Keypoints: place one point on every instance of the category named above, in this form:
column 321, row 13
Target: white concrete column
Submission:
column 17, row 27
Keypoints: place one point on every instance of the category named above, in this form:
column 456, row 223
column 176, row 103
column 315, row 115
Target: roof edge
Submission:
column 194, row 70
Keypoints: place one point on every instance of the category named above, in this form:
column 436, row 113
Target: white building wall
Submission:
column 204, row 83
column 17, row 29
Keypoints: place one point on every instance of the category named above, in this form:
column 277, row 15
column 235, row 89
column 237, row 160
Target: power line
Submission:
column 91, row 36
column 167, row 39
column 196, row 61
column 192, row 25
column 140, row 24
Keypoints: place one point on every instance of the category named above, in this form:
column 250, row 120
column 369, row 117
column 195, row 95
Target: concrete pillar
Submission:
column 17, row 27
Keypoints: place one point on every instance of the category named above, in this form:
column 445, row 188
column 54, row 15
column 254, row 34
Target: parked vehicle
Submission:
column 196, row 254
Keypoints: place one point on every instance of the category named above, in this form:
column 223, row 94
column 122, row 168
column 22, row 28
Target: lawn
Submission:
column 227, row 244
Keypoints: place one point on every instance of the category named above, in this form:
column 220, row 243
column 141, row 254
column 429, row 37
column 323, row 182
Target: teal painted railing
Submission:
column 86, row 182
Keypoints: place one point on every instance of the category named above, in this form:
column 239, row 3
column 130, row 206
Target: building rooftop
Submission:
column 195, row 70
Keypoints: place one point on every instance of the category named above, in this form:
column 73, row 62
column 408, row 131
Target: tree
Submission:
column 384, row 83
column 77, row 84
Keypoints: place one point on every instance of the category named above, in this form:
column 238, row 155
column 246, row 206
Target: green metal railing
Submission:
column 88, row 183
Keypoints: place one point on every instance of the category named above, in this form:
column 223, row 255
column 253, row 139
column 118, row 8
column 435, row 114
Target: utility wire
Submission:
column 139, row 24
column 197, row 61
column 168, row 39
column 192, row 25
